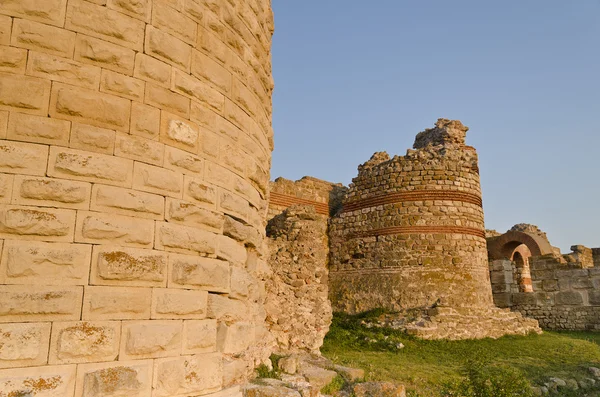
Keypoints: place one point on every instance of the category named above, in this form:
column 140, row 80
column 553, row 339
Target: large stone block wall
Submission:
column 411, row 231
column 565, row 296
column 135, row 147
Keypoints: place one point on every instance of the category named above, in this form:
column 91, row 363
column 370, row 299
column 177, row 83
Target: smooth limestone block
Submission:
column 51, row 192
column 93, row 139
column 168, row 48
column 54, row 381
column 197, row 90
column 157, row 180
column 51, row 12
column 151, row 339
column 152, row 70
column 199, row 192
column 175, row 23
column 145, row 121
column 188, row 376
column 231, row 250
column 243, row 285
column 122, row 85
column 5, row 28
column 6, row 188
column 210, row 70
column 41, row 37
column 29, row 303
column 116, row 303
column 140, row 9
column 127, row 202
column 56, row 68
column 167, row 100
column 104, row 54
column 13, row 60
column 82, row 342
column 194, row 272
column 121, row 378
column 24, row 94
column 139, row 148
column 224, row 309
column 168, row 303
column 199, row 336
column 114, row 265
column 34, row 223
column 24, row 344
column 31, row 262
column 101, row 228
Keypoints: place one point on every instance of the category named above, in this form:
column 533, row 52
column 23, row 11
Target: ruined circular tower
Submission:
column 411, row 232
column 135, row 147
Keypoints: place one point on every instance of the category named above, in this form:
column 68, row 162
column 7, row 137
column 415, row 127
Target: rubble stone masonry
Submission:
column 135, row 149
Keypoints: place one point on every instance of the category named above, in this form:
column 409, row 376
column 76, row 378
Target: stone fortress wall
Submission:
column 135, row 149
column 564, row 291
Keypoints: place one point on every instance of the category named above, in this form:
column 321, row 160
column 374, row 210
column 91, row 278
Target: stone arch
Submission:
column 504, row 246
column 521, row 270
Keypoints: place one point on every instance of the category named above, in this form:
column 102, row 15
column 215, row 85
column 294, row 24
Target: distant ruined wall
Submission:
column 135, row 149
column 325, row 197
column 411, row 231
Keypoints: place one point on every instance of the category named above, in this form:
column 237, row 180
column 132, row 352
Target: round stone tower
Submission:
column 135, row 147
column 411, row 232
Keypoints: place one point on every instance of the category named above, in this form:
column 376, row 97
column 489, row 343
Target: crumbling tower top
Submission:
column 446, row 133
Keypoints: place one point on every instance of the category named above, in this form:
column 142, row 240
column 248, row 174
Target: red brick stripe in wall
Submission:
column 422, row 230
column 284, row 200
column 419, row 195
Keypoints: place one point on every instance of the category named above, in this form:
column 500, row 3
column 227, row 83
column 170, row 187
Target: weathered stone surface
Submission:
column 24, row 345
column 122, row 378
column 179, row 211
column 168, row 303
column 51, row 192
column 107, row 55
column 569, row 298
column 105, row 24
column 184, row 239
column 13, row 60
column 188, row 375
column 51, row 12
column 157, row 180
column 139, row 148
column 206, row 68
column 41, row 37
column 198, row 90
column 168, row 48
column 184, row 162
column 116, row 303
column 31, row 223
column 178, row 132
column 25, row 303
column 199, row 336
column 194, row 272
column 140, row 9
column 152, row 70
column 235, row 338
column 67, row 71
column 23, row 158
column 89, row 167
column 241, row 232
column 231, row 250
column 90, row 107
column 127, row 202
column 167, row 100
column 24, row 94
column 224, row 309
column 379, row 389
column 114, row 265
column 151, row 339
column 27, row 128
column 5, row 28
column 145, row 121
column 199, row 192
column 82, row 342
column 54, row 381
column 122, row 85
column 93, row 139
column 100, row 228
column 233, row 204
column 6, row 188
column 175, row 23
column 29, row 262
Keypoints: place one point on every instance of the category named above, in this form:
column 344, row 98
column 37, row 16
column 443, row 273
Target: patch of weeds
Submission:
column 334, row 386
column 264, row 371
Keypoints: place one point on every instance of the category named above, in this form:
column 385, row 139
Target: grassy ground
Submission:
column 423, row 366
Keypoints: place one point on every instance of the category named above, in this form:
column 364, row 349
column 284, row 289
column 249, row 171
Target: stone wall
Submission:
column 297, row 305
column 135, row 141
column 565, row 291
column 325, row 197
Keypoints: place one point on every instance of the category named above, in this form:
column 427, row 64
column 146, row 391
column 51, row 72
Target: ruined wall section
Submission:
column 325, row 197
column 135, row 146
column 298, row 308
column 411, row 232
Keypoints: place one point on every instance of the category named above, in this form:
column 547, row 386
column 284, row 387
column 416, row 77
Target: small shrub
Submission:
column 264, row 371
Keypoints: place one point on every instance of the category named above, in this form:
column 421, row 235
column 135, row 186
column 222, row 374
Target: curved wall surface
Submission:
column 135, row 147
column 411, row 232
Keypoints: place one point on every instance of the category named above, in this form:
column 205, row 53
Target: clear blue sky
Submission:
column 355, row 77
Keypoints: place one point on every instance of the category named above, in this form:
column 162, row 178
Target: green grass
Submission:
column 424, row 366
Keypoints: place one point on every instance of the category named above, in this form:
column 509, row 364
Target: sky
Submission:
column 355, row 77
